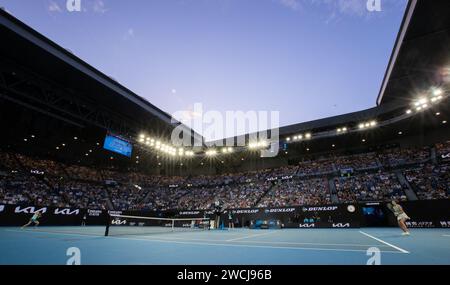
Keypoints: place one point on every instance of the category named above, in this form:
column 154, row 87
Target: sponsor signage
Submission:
column 246, row 211
column 425, row 214
column 279, row 210
column 189, row 213
column 118, row 222
column 67, row 212
column 351, row 208
column 312, row 225
column 29, row 210
column 340, row 225
column 286, row 177
column 94, row 213
column 320, row 209
column 421, row 224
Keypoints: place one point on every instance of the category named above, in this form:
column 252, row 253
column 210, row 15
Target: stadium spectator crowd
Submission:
column 430, row 181
column 443, row 151
column 360, row 161
column 296, row 192
column 401, row 156
column 26, row 180
column 369, row 187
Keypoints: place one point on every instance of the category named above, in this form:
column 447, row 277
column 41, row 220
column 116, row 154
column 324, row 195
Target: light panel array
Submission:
column 299, row 137
column 367, row 125
column 422, row 103
column 164, row 148
column 342, row 130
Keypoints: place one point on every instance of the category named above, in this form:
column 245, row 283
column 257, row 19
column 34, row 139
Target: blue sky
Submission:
column 307, row 59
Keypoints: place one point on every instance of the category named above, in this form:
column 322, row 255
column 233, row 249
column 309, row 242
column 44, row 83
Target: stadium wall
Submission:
column 424, row 214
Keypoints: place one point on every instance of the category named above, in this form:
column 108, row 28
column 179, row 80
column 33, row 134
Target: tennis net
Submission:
column 139, row 225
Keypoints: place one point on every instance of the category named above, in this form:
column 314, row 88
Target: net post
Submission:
column 173, row 225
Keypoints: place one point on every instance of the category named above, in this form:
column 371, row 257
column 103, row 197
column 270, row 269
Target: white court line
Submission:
column 382, row 241
column 250, row 236
column 54, row 232
column 211, row 244
column 239, row 240
column 446, row 235
column 276, row 242
column 254, row 246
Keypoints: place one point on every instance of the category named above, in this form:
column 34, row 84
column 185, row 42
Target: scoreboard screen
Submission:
column 118, row 145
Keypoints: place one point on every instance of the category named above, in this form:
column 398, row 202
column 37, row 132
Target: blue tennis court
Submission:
column 48, row 245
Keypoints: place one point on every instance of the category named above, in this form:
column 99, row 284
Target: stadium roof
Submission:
column 419, row 60
column 31, row 50
column 421, row 55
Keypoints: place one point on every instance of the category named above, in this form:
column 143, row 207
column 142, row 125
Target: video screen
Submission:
column 117, row 145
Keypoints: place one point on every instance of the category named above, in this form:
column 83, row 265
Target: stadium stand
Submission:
column 25, row 180
column 430, row 181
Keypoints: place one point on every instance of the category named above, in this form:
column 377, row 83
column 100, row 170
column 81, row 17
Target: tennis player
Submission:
column 217, row 212
column 34, row 220
column 401, row 216
column 230, row 220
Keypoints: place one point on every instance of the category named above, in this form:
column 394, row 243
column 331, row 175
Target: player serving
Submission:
column 34, row 220
column 401, row 216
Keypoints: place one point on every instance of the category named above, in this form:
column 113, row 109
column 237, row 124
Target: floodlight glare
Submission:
column 423, row 100
column 437, row 92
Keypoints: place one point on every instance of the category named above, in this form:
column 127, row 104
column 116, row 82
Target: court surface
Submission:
column 48, row 245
